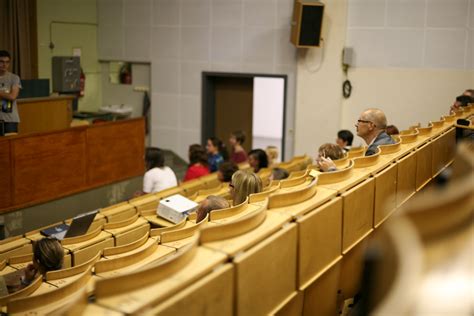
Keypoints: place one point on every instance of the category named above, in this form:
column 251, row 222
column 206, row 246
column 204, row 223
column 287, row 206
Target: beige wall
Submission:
column 318, row 86
column 407, row 95
column 68, row 36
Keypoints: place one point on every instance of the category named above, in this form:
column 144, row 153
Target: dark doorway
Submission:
column 233, row 108
column 228, row 105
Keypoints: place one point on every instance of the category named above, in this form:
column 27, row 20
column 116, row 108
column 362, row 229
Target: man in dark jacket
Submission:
column 371, row 127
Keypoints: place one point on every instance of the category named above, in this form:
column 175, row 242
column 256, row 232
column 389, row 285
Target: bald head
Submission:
column 371, row 123
column 376, row 116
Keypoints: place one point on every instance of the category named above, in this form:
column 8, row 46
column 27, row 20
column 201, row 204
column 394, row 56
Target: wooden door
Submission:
column 233, row 106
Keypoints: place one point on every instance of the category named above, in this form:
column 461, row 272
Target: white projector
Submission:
column 175, row 208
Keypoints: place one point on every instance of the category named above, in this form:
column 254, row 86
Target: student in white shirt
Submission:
column 158, row 176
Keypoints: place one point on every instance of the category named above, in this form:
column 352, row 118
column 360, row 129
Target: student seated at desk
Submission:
column 211, row 203
column 197, row 163
column 371, row 127
column 279, row 174
column 243, row 184
column 48, row 255
column 217, row 153
column 326, row 154
column 226, row 171
column 344, row 139
column 158, row 176
column 258, row 159
column 238, row 154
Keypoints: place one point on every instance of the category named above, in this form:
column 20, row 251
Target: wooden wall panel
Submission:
column 320, row 298
column 44, row 114
column 266, row 274
column 320, row 240
column 385, row 194
column 406, row 180
column 358, row 213
column 48, row 166
column 5, row 176
column 40, row 167
column 424, row 158
column 115, row 151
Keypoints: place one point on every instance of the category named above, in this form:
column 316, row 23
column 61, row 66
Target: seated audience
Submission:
column 326, row 154
column 344, row 139
column 272, row 155
column 211, row 203
column 461, row 101
column 238, row 154
column 392, row 130
column 158, row 176
column 243, row 184
column 217, row 153
column 197, row 163
column 279, row 174
column 258, row 159
column 371, row 127
column 48, row 255
column 226, row 170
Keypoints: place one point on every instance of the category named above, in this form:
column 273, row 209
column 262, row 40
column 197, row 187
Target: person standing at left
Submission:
column 10, row 86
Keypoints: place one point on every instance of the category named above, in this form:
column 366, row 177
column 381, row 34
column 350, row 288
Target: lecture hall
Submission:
column 237, row 157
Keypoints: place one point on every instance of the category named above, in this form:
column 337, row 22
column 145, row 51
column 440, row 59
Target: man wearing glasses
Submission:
column 9, row 87
column 371, row 127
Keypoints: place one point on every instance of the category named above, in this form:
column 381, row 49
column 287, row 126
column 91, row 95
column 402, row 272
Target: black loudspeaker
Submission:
column 307, row 23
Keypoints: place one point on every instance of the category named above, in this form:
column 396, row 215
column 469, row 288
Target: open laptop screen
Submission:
column 79, row 226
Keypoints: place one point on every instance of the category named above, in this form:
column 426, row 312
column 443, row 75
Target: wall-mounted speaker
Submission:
column 307, row 23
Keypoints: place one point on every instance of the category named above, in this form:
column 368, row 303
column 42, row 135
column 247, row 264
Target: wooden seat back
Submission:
column 126, row 260
column 276, row 200
column 24, row 292
column 228, row 212
column 367, row 161
column 449, row 118
column 125, row 222
column 183, row 232
column 54, row 298
column 288, row 183
column 235, row 228
column 296, row 174
column 356, row 152
column 110, row 251
column 336, row 176
column 65, row 273
column 192, row 186
column 390, row 148
column 261, row 196
column 158, row 231
column 408, row 136
column 145, row 277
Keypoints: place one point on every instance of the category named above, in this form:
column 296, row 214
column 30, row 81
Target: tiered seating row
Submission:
column 274, row 254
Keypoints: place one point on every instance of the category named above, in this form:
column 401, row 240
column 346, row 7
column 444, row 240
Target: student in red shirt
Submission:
column 236, row 140
column 197, row 163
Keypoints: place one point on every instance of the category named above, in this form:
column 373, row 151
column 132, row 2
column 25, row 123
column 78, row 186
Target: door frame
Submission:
column 208, row 103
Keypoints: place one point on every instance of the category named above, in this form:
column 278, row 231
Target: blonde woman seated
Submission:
column 272, row 155
column 243, row 184
column 326, row 154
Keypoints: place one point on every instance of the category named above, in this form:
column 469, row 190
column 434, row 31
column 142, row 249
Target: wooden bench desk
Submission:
column 259, row 252
column 140, row 290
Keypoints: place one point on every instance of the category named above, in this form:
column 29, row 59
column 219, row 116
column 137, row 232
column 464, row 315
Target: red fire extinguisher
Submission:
column 82, row 83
